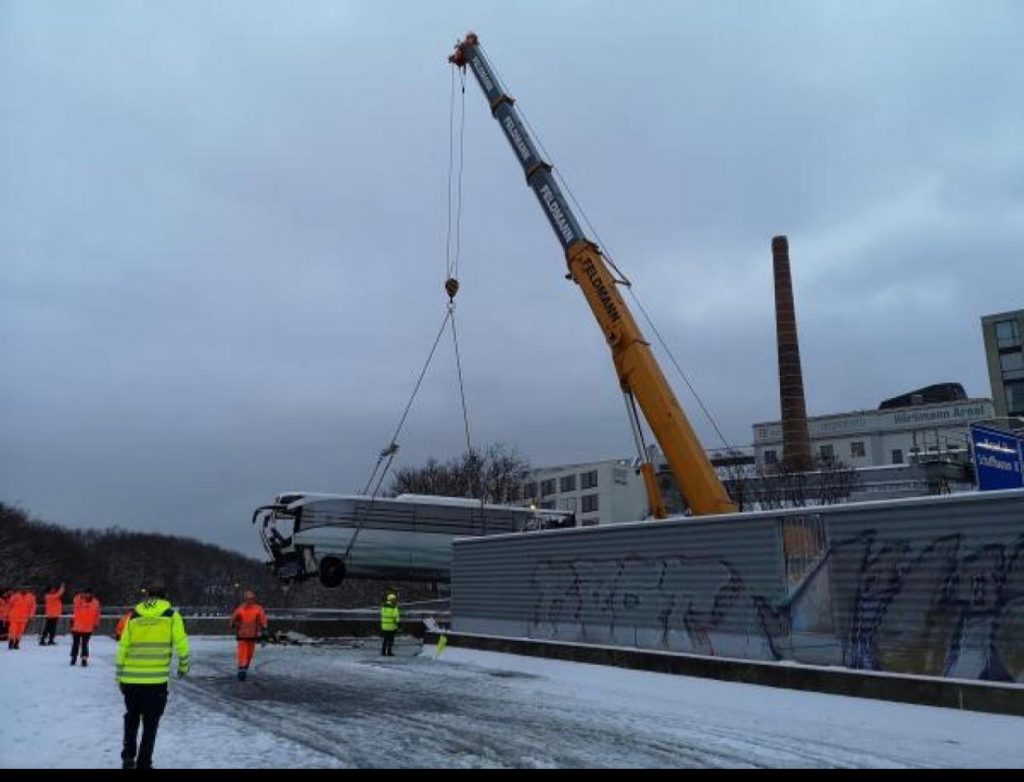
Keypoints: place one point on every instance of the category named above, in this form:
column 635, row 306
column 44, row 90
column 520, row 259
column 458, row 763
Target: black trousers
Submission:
column 83, row 640
column 142, row 703
column 389, row 642
column 3, row 630
column 49, row 630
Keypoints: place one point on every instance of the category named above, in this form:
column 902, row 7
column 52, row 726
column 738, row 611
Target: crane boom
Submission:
column 638, row 371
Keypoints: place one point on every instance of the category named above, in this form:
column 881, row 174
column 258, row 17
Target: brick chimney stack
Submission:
column 796, row 441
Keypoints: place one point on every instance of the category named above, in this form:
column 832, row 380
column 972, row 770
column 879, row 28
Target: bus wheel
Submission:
column 332, row 572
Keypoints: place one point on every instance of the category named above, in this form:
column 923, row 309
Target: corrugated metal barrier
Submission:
column 929, row 586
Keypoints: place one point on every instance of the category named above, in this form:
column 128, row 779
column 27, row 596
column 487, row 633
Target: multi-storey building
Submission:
column 1004, row 352
column 874, row 438
column 597, row 492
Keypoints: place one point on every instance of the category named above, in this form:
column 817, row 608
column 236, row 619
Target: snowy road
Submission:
column 342, row 705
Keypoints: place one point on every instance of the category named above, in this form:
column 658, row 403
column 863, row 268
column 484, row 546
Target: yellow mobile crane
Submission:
column 640, row 376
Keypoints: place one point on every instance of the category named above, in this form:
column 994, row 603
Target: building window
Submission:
column 1014, row 397
column 548, row 505
column 933, row 449
column 589, row 503
column 827, row 452
column 857, row 449
column 771, row 457
column 547, row 487
column 530, row 490
column 567, row 503
column 568, row 483
column 897, row 456
column 1012, row 361
column 588, row 480
column 1007, row 334
column 589, row 522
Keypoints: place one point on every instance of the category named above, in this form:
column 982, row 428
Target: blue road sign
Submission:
column 998, row 458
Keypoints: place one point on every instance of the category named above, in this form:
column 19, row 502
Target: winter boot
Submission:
column 128, row 763
column 241, row 674
column 73, row 661
column 85, row 662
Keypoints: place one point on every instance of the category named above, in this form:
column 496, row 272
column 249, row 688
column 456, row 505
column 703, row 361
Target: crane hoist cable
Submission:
column 453, row 233
column 453, row 247
column 452, row 283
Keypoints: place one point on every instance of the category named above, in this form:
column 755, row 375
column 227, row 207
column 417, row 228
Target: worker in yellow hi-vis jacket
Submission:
column 153, row 632
column 389, row 619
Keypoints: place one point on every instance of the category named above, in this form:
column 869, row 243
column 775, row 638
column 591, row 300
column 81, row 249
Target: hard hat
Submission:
column 249, row 595
column 392, row 597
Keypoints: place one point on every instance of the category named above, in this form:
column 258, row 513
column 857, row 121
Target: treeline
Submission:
column 494, row 474
column 116, row 563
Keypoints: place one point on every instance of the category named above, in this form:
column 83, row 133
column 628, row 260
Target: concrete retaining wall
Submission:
column 928, row 691
column 930, row 586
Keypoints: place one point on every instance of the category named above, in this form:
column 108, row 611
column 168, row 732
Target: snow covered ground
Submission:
column 341, row 705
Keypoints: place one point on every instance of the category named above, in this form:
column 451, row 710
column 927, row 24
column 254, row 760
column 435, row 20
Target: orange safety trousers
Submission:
column 17, row 629
column 246, row 650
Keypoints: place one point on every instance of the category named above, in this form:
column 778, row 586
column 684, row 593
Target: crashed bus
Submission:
column 408, row 537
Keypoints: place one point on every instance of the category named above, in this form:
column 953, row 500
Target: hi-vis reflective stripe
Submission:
column 133, row 655
column 152, row 645
column 133, row 674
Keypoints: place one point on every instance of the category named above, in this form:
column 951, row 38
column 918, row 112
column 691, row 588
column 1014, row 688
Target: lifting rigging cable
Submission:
column 453, row 247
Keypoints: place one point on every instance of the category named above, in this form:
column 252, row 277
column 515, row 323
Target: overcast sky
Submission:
column 222, row 229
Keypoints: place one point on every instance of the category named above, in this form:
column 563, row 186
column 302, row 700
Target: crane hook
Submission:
column 451, row 286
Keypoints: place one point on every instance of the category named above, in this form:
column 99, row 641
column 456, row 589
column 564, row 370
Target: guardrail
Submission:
column 315, row 623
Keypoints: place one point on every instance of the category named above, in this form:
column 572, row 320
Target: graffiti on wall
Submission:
column 873, row 602
column 639, row 601
column 947, row 609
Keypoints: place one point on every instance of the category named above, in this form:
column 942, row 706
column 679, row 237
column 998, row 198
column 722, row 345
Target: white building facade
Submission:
column 601, row 492
column 875, row 438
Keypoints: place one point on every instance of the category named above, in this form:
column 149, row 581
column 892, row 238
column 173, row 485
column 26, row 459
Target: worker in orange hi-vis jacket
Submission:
column 121, row 623
column 5, row 611
column 54, row 611
column 85, row 618
column 249, row 621
column 23, row 608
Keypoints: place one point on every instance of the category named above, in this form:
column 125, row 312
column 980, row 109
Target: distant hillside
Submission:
column 116, row 563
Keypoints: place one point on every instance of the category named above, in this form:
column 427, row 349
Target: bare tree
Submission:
column 493, row 475
column 780, row 485
column 741, row 482
column 837, row 481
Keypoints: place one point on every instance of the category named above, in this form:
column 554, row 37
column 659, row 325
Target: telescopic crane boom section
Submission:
column 638, row 371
